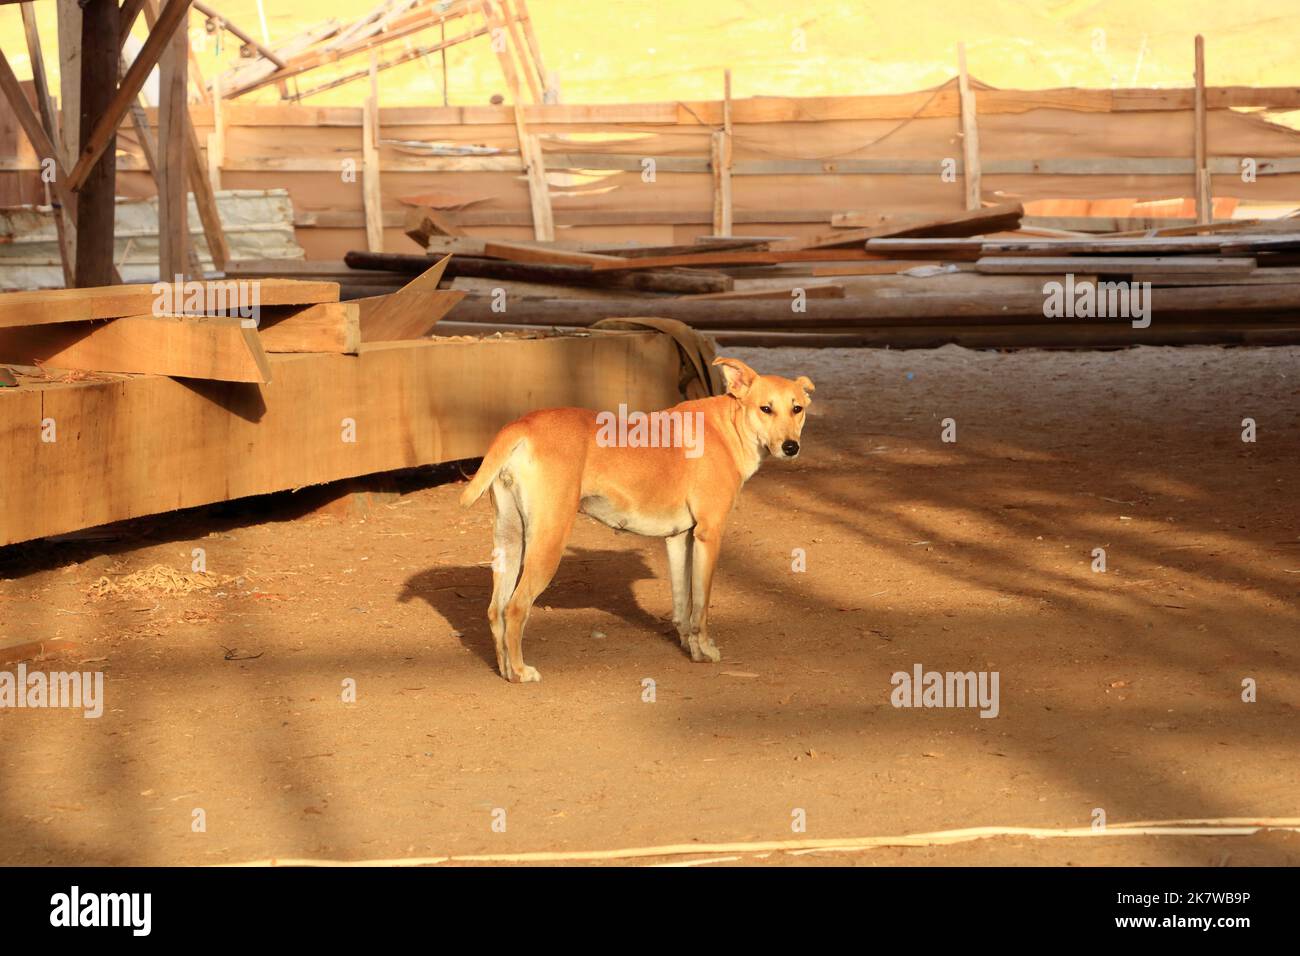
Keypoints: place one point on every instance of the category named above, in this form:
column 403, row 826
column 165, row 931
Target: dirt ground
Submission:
column 1119, row 690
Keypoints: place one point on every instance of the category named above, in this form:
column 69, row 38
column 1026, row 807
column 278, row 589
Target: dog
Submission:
column 550, row 465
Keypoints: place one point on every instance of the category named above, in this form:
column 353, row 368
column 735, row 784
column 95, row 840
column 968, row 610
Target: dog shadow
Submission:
column 587, row 578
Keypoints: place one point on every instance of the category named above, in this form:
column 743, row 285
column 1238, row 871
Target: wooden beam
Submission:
column 526, row 252
column 404, row 315
column 326, row 327
column 720, row 161
column 110, row 302
column 174, row 147
column 1203, row 191
column 415, row 22
column 549, row 93
column 414, row 53
column 971, row 223
column 130, row 10
column 205, row 198
column 371, row 195
column 217, row 138
column 94, row 177
column 1114, row 265
column 27, row 118
column 49, row 122
column 539, row 192
column 205, row 347
column 196, row 174
column 970, row 137
column 536, row 83
column 244, row 37
column 69, row 60
column 109, row 117
column 195, row 443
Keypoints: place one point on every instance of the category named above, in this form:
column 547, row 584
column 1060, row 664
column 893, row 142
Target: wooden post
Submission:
column 536, row 83
column 120, row 96
column 49, row 120
column 205, row 198
column 69, row 58
column 1204, row 190
column 173, row 145
column 372, row 196
column 970, row 137
column 721, row 163
column 549, row 93
column 530, row 150
column 217, row 138
column 96, row 206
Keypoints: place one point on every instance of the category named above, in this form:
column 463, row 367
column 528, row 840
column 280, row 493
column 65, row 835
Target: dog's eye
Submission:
column 797, row 409
column 765, row 409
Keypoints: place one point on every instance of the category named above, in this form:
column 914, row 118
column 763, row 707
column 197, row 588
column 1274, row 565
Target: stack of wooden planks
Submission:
column 971, row 278
column 131, row 400
column 219, row 330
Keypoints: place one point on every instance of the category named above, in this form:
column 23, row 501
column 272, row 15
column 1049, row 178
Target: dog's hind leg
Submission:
column 507, row 553
column 679, row 570
column 704, row 560
column 546, row 528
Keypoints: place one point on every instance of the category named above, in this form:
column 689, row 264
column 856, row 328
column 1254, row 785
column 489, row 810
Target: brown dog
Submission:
column 673, row 475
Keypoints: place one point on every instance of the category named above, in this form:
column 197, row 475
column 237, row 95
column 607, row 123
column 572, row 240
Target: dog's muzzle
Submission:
column 790, row 448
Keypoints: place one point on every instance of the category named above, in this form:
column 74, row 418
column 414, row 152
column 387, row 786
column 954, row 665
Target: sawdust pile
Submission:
column 155, row 580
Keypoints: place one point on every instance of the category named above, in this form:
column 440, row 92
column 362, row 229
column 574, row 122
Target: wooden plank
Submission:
column 173, row 146
column 372, row 196
column 412, row 311
column 416, row 22
column 531, row 77
column 216, row 151
column 819, row 291
column 107, row 302
column 151, row 444
column 539, row 193
column 49, row 122
column 1113, row 265
column 1201, row 184
column 777, row 109
column 220, row 349
column 405, row 314
column 684, row 281
column 95, row 174
column 970, row 140
column 325, row 327
column 974, row 222
column 549, row 94
column 720, row 161
column 706, row 257
column 527, row 252
column 882, row 268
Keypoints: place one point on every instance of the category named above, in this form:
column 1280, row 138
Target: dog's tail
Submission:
column 503, row 446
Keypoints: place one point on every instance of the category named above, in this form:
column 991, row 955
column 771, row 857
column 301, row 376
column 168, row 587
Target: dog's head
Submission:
column 772, row 407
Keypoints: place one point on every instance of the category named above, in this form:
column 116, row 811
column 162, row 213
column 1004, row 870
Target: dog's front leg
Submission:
column 704, row 559
column 679, row 570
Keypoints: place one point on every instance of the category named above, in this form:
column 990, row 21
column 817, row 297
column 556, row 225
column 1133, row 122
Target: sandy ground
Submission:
column 1118, row 690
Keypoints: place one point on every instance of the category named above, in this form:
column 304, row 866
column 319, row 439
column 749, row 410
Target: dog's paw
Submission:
column 704, row 650
column 529, row 675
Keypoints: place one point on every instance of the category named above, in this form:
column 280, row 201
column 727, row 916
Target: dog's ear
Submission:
column 739, row 376
column 804, row 382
